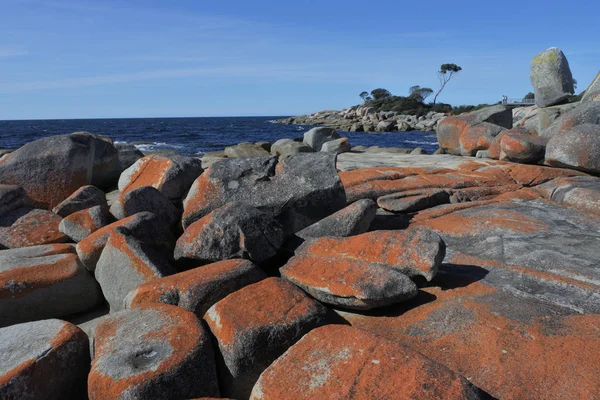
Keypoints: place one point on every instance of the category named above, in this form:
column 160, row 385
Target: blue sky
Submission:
column 85, row 59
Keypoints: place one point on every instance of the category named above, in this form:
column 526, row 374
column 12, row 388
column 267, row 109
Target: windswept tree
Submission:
column 529, row 96
column 364, row 96
column 419, row 93
column 380, row 94
column 446, row 72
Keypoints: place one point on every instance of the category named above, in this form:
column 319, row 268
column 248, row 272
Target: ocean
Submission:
column 194, row 136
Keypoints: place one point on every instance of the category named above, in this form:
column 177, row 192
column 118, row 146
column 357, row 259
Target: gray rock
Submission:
column 13, row 197
column 144, row 226
column 236, row 230
column 145, row 198
column 482, row 154
column 526, row 149
column 43, row 360
column 586, row 113
column 352, row 220
column 44, row 282
column 85, row 197
column 593, row 91
column 106, row 170
column 81, row 224
column 288, row 147
column 172, row 175
column 126, row 263
column 357, row 128
column 198, row 289
column 30, row 227
column 246, row 150
column 576, row 148
column 256, row 325
column 551, row 77
column 337, row 146
column 581, row 192
column 418, row 151
column 298, row 190
column 386, row 126
column 414, row 200
column 128, row 155
column 317, row 136
column 154, row 352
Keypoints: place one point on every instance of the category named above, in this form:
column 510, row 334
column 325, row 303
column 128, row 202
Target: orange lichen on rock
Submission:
column 151, row 171
column 34, row 228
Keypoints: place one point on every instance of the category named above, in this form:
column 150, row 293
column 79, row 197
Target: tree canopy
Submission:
column 419, row 93
column 446, row 72
column 380, row 93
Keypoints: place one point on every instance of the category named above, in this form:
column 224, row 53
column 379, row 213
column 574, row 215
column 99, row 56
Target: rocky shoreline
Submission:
column 304, row 269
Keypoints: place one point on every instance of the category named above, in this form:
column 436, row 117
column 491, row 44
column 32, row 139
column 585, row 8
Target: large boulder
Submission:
column 44, row 282
column 386, row 126
column 522, row 148
column 145, row 226
column 298, row 190
column 450, row 129
column 478, row 137
column 551, row 77
column 83, row 198
column 32, row 228
column 592, row 93
column 288, row 147
column 577, row 148
column 246, row 150
column 198, row 289
column 172, row 175
column 235, row 230
column 586, row 113
column 581, row 192
column 106, row 171
column 152, row 352
column 81, row 224
column 336, row 146
column 43, row 360
column 256, row 325
column 341, row 362
column 352, row 220
column 317, row 136
column 145, row 198
column 126, row 263
column 128, row 155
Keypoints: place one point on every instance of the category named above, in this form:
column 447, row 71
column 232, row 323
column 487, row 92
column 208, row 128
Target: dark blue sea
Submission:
column 193, row 136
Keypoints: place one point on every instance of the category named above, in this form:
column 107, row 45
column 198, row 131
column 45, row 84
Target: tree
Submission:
column 364, row 96
column 446, row 72
column 419, row 93
column 380, row 94
column 529, row 96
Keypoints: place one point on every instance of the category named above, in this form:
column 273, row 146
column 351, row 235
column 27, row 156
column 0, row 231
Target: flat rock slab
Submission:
column 198, row 289
column 157, row 351
column 413, row 200
column 255, row 325
column 43, row 360
column 341, row 362
column 35, row 228
column 49, row 282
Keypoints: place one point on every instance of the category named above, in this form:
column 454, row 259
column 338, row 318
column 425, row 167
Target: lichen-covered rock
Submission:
column 478, row 137
column 581, row 192
column 586, row 113
column 46, row 360
column 592, row 93
column 145, row 198
column 198, row 289
column 235, row 230
column 347, row 283
column 551, row 77
column 577, row 148
column 522, row 148
column 352, row 220
column 255, row 325
column 144, row 226
column 298, row 190
column 81, row 224
column 152, row 352
column 83, row 198
column 32, row 228
column 451, row 129
column 413, row 200
column 172, row 175
column 341, row 362
column 317, row 136
column 44, row 282
column 336, row 146
column 126, row 263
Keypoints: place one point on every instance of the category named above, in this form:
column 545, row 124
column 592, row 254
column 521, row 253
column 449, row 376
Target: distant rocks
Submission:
column 551, row 77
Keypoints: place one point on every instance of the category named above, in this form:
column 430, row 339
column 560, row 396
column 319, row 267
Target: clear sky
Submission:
column 106, row 58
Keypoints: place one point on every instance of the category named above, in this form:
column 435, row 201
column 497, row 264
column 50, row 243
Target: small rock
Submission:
column 386, row 126
column 83, row 198
column 34, row 228
column 145, row 198
column 337, row 146
column 246, row 150
column 352, row 220
column 81, row 224
column 317, row 136
column 235, row 230
column 152, row 352
column 288, row 147
column 255, row 325
column 43, row 360
column 413, row 200
column 198, row 289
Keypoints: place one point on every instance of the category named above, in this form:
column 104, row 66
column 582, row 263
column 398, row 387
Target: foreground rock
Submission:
column 44, row 282
column 341, row 362
column 235, row 230
column 126, row 263
column 577, row 148
column 298, row 190
column 522, row 148
column 152, row 352
column 580, row 192
column 81, row 224
column 352, row 220
column 83, row 198
column 198, row 289
column 413, row 200
column 43, row 360
column 551, row 77
column 255, row 325
column 35, row 227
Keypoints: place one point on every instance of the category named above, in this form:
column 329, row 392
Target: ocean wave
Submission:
column 418, row 142
column 155, row 146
